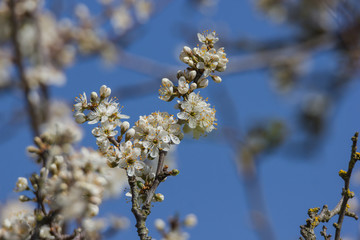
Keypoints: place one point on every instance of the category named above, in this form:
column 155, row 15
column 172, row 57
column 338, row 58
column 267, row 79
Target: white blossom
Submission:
column 183, row 87
column 21, row 184
column 129, row 158
column 166, row 90
column 197, row 113
column 208, row 38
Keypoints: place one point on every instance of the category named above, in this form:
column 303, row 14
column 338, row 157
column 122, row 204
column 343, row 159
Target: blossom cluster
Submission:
column 150, row 134
column 195, row 113
column 71, row 184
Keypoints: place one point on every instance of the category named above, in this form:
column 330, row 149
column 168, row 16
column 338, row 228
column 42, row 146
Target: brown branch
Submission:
column 18, row 60
column 324, row 234
column 141, row 214
column 158, row 178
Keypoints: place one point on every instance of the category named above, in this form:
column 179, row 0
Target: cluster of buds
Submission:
column 205, row 59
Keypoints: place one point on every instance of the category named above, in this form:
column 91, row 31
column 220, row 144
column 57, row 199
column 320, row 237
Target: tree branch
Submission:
column 18, row 60
column 347, row 194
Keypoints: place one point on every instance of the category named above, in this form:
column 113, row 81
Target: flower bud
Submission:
column 140, row 184
column 129, row 134
column 95, row 200
column 23, row 198
column 53, row 168
column 21, row 184
column 187, row 50
column 32, row 149
column 216, row 79
column 190, row 63
column 179, row 74
column 174, row 172
column 80, row 118
column 159, row 197
column 124, row 127
column 92, row 210
column 94, row 97
column 39, row 142
column 203, row 83
column 190, row 220
column 44, row 172
column 192, row 75
column 186, row 59
column 105, row 91
column 221, row 69
column 193, row 86
column 159, row 224
column 44, row 232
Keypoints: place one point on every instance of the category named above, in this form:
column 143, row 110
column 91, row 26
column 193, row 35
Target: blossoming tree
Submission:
column 132, row 156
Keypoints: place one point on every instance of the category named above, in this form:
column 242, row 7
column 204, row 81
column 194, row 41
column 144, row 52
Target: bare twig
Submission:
column 307, row 230
column 347, row 194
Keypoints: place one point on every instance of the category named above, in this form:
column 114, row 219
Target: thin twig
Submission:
column 158, row 179
column 346, row 191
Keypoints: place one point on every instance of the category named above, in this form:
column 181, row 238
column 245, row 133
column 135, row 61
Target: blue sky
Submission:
column 208, row 184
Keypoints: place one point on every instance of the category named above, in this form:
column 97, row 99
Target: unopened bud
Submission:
column 129, row 134
column 174, row 172
column 44, row 172
column 187, row 50
column 191, row 63
column 53, row 168
column 94, row 97
column 159, row 197
column 124, row 127
column 179, row 74
column 190, row 220
column 193, row 86
column 203, row 83
column 192, row 75
column 93, row 210
column 105, row 91
column 140, row 184
column 95, row 200
column 80, row 118
column 23, row 198
column 38, row 142
column 160, row 224
column 216, row 79
column 34, row 178
column 186, row 59
column 221, row 69
column 32, row 149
